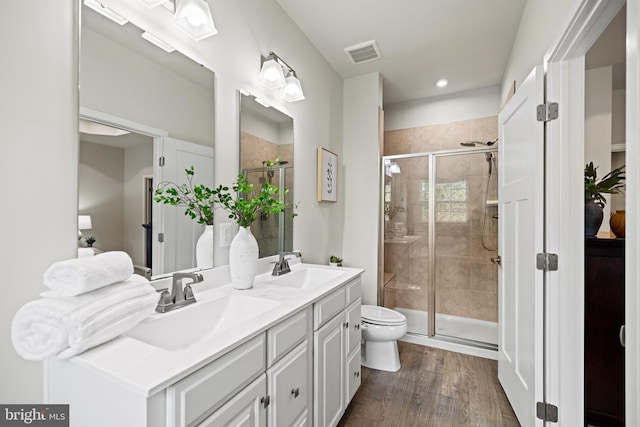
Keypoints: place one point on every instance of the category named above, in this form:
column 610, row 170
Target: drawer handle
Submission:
column 357, row 374
column 621, row 335
column 295, row 392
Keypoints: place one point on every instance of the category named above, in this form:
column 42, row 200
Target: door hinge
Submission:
column 161, row 161
column 547, row 412
column 547, row 262
column 547, row 112
column 161, row 237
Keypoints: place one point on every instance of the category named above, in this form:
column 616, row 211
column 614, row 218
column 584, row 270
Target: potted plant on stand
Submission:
column 198, row 202
column 248, row 204
column 594, row 190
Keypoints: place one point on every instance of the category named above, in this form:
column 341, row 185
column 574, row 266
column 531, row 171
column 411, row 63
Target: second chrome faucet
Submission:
column 282, row 266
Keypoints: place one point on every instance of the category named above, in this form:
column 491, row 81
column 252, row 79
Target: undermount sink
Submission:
column 186, row 326
column 305, row 278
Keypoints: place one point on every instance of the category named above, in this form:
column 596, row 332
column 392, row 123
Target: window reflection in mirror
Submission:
column 163, row 104
column 266, row 134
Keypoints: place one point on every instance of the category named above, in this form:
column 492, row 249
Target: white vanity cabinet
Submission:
column 281, row 397
column 336, row 352
column 301, row 367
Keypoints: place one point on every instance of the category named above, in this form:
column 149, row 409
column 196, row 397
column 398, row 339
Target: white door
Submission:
column 180, row 233
column 521, row 179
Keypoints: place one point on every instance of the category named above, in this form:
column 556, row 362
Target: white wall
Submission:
column 123, row 83
column 597, row 126
column 39, row 122
column 101, row 193
column 618, row 112
column 540, row 26
column 257, row 125
column 360, row 176
column 467, row 105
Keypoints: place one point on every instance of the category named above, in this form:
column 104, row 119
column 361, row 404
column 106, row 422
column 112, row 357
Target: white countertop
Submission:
column 147, row 369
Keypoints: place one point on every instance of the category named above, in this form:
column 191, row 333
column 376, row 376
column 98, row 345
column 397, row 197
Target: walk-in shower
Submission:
column 275, row 232
column 440, row 213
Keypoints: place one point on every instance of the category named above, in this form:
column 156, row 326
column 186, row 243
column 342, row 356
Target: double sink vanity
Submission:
column 284, row 353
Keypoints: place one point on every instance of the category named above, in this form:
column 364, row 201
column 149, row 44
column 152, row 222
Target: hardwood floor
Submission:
column 434, row 388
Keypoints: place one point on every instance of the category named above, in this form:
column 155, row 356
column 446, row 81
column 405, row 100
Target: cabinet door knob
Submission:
column 621, row 335
column 346, row 324
column 356, row 374
column 357, row 326
column 295, row 392
column 496, row 260
column 265, row 401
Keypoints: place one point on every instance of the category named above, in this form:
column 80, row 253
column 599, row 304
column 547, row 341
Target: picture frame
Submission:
column 327, row 176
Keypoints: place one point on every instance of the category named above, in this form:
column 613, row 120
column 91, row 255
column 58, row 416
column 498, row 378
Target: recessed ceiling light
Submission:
column 442, row 82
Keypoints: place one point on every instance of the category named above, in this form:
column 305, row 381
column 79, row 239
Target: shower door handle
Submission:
column 496, row 260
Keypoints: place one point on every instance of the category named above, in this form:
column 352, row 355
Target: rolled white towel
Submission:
column 77, row 276
column 67, row 326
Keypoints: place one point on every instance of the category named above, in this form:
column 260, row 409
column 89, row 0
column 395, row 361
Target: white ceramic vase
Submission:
column 204, row 248
column 243, row 259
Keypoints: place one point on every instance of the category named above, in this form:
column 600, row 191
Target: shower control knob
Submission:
column 496, row 260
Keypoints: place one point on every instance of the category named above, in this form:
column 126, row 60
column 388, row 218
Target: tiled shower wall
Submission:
column 466, row 280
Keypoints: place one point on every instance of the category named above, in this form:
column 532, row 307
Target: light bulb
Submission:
column 196, row 19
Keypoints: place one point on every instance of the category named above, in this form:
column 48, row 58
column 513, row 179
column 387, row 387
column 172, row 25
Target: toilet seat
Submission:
column 381, row 316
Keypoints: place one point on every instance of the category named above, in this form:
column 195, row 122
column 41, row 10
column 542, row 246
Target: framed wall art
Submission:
column 327, row 176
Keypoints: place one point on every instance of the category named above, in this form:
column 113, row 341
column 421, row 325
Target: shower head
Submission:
column 474, row 143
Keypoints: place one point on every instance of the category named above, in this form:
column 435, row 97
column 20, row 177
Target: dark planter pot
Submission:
column 592, row 217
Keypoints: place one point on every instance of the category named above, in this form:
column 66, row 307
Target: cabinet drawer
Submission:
column 353, row 379
column 328, row 307
column 197, row 395
column 354, row 290
column 286, row 335
column 246, row 408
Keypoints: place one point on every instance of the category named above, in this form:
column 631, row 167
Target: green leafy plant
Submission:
column 249, row 202
column 391, row 211
column 90, row 240
column 198, row 200
column 336, row 260
column 611, row 183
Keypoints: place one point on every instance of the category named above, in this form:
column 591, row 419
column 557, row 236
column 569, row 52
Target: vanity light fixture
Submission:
column 442, row 83
column 153, row 3
column 292, row 90
column 272, row 75
column 105, row 11
column 262, row 102
column 158, row 42
column 194, row 18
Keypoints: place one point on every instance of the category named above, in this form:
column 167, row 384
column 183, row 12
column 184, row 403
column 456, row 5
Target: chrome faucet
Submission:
column 282, row 266
column 179, row 296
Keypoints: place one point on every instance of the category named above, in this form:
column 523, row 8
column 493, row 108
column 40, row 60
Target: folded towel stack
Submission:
column 76, row 314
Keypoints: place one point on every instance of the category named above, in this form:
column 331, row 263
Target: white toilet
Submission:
column 381, row 327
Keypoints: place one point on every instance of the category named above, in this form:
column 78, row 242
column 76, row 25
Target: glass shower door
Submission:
column 465, row 240
column 406, row 235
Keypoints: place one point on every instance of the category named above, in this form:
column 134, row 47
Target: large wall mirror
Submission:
column 266, row 134
column 146, row 116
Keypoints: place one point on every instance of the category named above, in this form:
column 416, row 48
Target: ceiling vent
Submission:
column 364, row 52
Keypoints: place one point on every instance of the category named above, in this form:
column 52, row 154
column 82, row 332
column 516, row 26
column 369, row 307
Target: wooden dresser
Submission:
column 604, row 316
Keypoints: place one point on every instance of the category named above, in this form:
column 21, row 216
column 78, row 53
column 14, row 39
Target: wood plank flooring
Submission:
column 434, row 388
